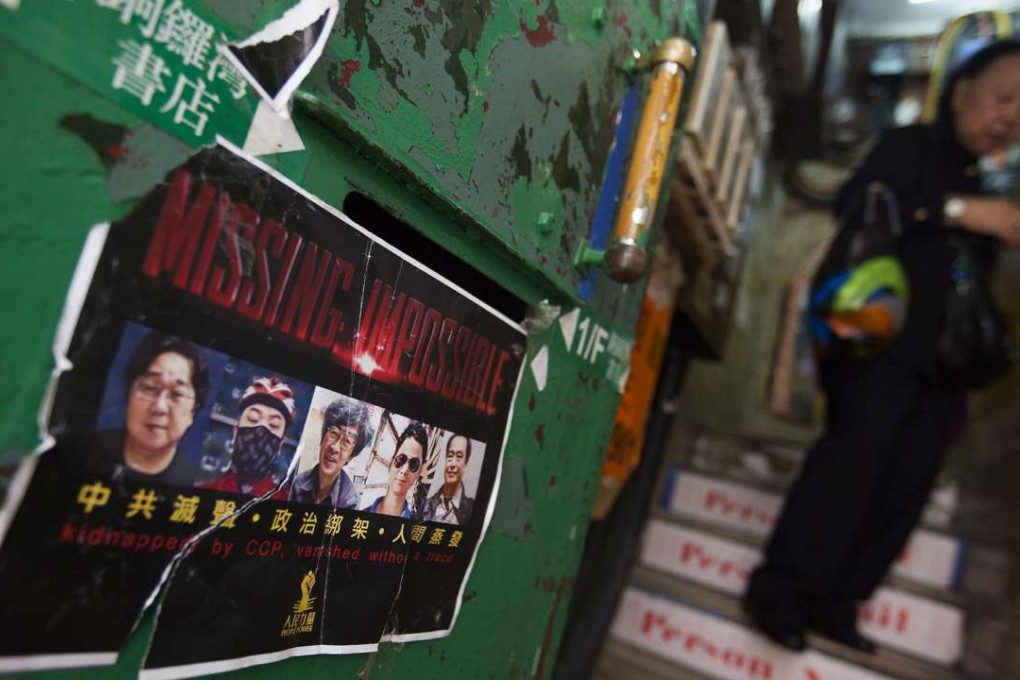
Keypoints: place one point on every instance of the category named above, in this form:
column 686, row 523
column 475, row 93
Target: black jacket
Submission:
column 921, row 165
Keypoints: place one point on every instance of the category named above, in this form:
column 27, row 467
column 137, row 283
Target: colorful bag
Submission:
column 860, row 292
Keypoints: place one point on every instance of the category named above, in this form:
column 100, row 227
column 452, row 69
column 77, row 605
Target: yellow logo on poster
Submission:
column 302, row 620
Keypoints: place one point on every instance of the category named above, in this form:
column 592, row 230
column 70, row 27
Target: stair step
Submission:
column 937, row 593
column 894, row 618
column 930, row 558
column 702, row 629
column 720, row 647
column 770, row 464
column 621, row 661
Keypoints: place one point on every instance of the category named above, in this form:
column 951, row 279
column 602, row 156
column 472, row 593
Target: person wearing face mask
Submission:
column 266, row 411
column 405, row 468
column 863, row 486
column 346, row 431
column 166, row 380
column 451, row 504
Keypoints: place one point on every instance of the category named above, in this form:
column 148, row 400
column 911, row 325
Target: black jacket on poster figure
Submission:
column 921, row 165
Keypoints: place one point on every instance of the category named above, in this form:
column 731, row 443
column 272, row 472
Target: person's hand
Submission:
column 990, row 216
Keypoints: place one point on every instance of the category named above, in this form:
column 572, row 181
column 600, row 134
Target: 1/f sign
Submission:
column 591, row 340
column 605, row 350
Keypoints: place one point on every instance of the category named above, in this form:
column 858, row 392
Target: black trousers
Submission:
column 863, row 486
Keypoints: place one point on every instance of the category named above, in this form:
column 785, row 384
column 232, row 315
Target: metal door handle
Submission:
column 626, row 258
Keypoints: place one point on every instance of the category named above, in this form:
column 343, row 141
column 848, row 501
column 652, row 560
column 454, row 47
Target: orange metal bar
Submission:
column 626, row 257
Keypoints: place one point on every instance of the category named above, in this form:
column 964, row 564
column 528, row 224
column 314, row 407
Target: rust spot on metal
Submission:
column 541, row 35
column 564, row 588
column 540, row 436
column 532, row 403
column 348, row 68
column 621, row 21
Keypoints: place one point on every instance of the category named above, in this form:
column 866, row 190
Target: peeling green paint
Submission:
column 446, row 90
column 148, row 155
column 513, row 512
column 533, row 199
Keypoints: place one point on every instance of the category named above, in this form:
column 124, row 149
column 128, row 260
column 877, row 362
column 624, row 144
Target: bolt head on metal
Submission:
column 626, row 262
column 676, row 50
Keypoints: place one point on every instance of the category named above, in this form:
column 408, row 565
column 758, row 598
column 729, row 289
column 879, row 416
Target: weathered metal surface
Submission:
column 506, row 110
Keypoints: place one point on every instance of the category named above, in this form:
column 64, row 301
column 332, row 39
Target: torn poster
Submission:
column 294, row 426
column 276, row 59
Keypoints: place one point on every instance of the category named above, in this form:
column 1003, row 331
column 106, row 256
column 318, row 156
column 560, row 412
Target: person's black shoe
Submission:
column 837, row 621
column 779, row 624
column 790, row 638
column 847, row 636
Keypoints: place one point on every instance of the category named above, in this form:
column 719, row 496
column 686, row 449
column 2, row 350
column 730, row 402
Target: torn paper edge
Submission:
column 539, row 366
column 12, row 664
column 210, row 667
column 11, row 4
column 271, row 132
column 175, row 561
column 78, row 289
column 298, row 17
column 187, row 548
column 81, row 281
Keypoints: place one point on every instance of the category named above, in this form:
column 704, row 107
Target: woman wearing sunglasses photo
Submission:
column 405, row 468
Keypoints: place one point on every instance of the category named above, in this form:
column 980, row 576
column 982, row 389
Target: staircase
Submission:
column 680, row 615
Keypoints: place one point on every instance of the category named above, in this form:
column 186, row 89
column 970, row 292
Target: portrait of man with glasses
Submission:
column 404, row 470
column 166, row 380
column 346, row 432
